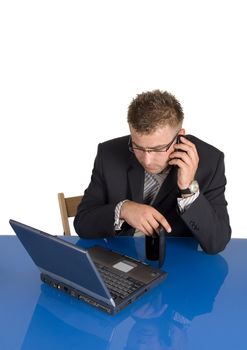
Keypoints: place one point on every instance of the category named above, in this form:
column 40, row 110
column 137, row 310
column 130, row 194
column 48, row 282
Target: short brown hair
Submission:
column 152, row 109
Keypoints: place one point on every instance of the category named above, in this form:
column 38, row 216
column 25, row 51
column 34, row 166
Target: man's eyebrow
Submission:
column 155, row 147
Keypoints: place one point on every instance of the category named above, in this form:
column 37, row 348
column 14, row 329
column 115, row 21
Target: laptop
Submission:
column 98, row 276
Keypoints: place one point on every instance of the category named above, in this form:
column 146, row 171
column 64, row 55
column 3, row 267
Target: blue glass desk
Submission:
column 201, row 305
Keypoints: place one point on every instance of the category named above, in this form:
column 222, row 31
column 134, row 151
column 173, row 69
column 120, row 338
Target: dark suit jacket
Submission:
column 117, row 175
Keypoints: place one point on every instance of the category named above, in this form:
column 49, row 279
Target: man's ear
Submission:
column 181, row 132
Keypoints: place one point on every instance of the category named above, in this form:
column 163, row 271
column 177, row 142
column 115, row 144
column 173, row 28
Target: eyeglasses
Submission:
column 163, row 148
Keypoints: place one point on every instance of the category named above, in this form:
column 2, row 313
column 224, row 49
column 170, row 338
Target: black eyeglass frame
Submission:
column 163, row 148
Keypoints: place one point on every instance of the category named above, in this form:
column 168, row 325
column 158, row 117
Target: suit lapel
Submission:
column 169, row 185
column 136, row 179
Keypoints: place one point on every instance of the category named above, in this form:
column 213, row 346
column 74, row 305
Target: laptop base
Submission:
column 75, row 293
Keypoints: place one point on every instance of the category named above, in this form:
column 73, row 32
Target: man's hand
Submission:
column 143, row 217
column 186, row 161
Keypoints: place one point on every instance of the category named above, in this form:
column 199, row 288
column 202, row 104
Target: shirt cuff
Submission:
column 117, row 221
column 185, row 203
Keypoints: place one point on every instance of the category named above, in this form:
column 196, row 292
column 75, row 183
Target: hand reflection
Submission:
column 162, row 322
column 153, row 309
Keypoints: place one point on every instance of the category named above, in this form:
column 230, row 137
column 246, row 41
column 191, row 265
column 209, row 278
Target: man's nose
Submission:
column 147, row 157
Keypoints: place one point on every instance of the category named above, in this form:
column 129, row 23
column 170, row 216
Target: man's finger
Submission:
column 161, row 220
column 149, row 228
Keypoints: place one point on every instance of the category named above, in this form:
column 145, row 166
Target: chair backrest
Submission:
column 68, row 207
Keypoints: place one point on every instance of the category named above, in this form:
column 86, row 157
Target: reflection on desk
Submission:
column 195, row 308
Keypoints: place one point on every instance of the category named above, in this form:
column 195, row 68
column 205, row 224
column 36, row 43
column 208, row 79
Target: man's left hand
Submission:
column 185, row 156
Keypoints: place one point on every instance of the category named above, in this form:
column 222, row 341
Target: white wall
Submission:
column 68, row 70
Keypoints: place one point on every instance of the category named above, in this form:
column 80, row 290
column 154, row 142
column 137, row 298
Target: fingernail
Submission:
column 169, row 230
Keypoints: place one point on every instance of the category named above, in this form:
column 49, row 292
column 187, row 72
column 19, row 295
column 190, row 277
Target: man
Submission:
column 157, row 176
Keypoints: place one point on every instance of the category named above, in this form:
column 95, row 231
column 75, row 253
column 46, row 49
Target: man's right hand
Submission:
column 143, row 217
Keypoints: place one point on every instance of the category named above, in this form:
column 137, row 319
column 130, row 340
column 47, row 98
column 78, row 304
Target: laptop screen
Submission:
column 56, row 257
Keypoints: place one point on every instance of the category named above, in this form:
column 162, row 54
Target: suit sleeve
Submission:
column 95, row 216
column 207, row 217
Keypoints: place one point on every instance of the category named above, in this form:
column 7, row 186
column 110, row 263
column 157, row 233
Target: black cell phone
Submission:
column 162, row 246
column 179, row 141
column 156, row 246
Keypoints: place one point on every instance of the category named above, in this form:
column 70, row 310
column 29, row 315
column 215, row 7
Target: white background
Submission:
column 69, row 69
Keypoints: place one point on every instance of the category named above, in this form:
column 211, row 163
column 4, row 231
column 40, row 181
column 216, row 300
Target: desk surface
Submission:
column 201, row 305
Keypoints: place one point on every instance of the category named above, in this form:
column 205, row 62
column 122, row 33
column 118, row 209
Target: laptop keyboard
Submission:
column 120, row 286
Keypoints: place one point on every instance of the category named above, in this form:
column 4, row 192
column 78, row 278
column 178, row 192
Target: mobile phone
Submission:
column 156, row 246
column 152, row 247
column 179, row 141
column 162, row 246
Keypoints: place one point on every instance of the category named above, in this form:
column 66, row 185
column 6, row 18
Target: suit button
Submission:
column 194, row 226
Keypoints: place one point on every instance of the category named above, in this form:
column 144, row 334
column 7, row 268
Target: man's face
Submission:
column 144, row 147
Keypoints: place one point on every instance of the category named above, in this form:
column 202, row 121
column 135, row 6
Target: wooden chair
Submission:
column 68, row 207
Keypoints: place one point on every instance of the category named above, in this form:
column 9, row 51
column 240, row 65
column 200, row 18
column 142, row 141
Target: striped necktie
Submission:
column 151, row 186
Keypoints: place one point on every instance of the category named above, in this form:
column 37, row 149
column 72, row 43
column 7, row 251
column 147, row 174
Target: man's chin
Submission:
column 153, row 170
